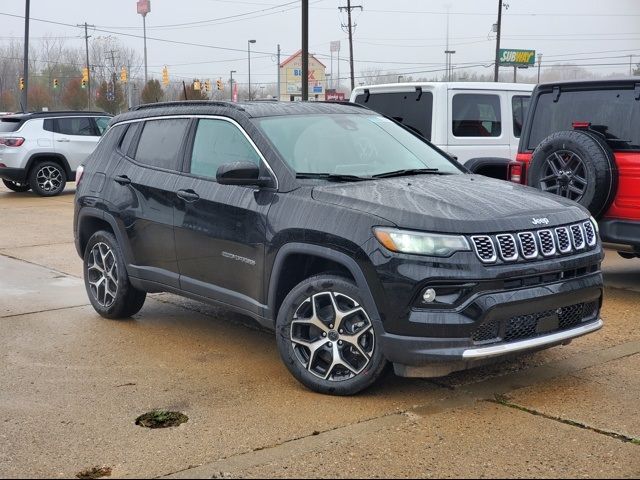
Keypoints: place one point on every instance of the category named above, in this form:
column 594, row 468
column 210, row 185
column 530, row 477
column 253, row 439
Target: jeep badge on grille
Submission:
column 540, row 221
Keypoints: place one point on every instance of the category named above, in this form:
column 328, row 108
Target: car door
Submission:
column 220, row 230
column 75, row 138
column 476, row 127
column 144, row 185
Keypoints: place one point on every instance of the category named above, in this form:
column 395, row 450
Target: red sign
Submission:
column 144, row 7
column 235, row 92
column 334, row 97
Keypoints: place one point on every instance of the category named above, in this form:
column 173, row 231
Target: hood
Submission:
column 453, row 203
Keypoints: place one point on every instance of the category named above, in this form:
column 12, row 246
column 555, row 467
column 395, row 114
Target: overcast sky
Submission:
column 407, row 36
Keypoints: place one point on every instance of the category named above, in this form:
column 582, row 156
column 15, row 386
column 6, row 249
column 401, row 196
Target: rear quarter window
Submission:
column 519, row 105
column 9, row 125
column 412, row 109
column 614, row 111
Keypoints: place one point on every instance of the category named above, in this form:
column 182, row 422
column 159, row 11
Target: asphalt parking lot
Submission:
column 72, row 385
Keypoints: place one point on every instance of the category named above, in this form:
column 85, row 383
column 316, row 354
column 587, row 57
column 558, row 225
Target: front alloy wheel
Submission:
column 332, row 336
column 327, row 338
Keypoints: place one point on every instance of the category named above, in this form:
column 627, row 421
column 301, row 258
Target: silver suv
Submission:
column 41, row 151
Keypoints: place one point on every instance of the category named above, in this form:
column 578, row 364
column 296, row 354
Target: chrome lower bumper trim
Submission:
column 506, row 348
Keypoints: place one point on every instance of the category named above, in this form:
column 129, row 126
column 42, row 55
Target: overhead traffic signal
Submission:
column 21, row 83
column 196, row 85
column 85, row 74
column 207, row 86
column 55, row 83
column 123, row 75
column 84, row 83
column 219, row 84
column 165, row 76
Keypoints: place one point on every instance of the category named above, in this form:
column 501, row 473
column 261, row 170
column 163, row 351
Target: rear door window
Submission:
column 161, row 141
column 80, row 126
column 412, row 109
column 614, row 111
column 476, row 115
column 519, row 105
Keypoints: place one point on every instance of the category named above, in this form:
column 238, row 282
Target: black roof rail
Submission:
column 186, row 103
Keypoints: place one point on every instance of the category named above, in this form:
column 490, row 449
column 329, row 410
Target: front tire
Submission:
column 16, row 186
column 106, row 278
column 326, row 337
column 47, row 179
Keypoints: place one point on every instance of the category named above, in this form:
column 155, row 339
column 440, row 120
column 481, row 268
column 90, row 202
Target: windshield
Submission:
column 350, row 144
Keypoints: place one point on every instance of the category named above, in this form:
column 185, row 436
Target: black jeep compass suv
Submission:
column 352, row 237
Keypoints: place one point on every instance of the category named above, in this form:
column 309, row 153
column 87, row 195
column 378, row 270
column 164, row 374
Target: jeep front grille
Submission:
column 536, row 244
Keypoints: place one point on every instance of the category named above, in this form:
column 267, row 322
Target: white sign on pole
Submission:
column 335, row 46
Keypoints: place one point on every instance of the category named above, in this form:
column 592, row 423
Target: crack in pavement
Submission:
column 461, row 397
column 505, row 402
column 44, row 311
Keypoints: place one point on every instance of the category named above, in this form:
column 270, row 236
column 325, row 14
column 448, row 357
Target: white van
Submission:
column 478, row 123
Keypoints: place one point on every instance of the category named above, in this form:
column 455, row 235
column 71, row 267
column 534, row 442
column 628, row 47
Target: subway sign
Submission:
column 516, row 58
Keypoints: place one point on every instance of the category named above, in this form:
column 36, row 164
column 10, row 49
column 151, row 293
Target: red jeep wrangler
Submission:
column 581, row 140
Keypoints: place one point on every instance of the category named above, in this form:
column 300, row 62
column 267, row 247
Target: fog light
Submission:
column 429, row 295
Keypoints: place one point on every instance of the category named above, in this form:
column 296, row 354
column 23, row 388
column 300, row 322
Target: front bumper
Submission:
column 18, row 175
column 521, row 320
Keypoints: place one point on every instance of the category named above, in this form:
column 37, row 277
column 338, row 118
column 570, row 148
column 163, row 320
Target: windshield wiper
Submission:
column 332, row 177
column 409, row 171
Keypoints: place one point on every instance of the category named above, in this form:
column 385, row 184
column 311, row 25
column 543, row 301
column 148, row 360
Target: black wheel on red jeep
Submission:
column 577, row 165
column 16, row 186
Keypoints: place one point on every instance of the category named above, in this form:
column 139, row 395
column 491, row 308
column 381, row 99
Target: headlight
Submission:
column 595, row 224
column 421, row 243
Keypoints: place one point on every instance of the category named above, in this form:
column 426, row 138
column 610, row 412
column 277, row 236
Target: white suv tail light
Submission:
column 11, row 141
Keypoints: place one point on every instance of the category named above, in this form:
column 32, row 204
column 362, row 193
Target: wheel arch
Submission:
column 53, row 157
column 494, row 167
column 290, row 255
column 91, row 220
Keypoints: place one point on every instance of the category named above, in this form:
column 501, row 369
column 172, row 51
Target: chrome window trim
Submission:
column 209, row 117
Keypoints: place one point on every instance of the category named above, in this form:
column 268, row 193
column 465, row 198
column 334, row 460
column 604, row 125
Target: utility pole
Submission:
column 497, row 66
column 24, row 100
column 231, row 82
column 304, row 79
column 630, row 65
column 350, row 26
column 539, row 65
column 112, row 55
column 86, row 47
column 278, row 71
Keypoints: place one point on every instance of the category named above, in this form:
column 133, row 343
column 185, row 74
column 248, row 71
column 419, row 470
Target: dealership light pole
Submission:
column 144, row 7
column 499, row 25
column 231, row 81
column 249, row 42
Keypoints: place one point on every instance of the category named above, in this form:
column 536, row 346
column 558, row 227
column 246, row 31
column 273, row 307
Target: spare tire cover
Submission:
column 577, row 165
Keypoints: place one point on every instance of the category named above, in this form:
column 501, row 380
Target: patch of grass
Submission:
column 161, row 419
column 635, row 441
column 95, row 472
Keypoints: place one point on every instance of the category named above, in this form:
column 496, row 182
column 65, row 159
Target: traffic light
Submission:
column 55, row 83
column 84, row 83
column 220, row 84
column 123, row 75
column 21, row 83
column 85, row 74
column 196, row 85
column 207, row 86
column 165, row 76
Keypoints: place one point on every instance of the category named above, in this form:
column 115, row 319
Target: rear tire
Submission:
column 16, row 186
column 576, row 165
column 326, row 337
column 47, row 179
column 106, row 278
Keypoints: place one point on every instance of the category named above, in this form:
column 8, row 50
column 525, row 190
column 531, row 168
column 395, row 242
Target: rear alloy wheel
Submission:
column 106, row 279
column 47, row 179
column 16, row 186
column 326, row 337
column 565, row 175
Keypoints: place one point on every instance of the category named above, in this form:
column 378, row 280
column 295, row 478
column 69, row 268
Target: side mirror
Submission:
column 241, row 173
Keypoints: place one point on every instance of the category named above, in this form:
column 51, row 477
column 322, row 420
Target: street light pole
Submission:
column 231, row 74
column 24, row 100
column 249, row 56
